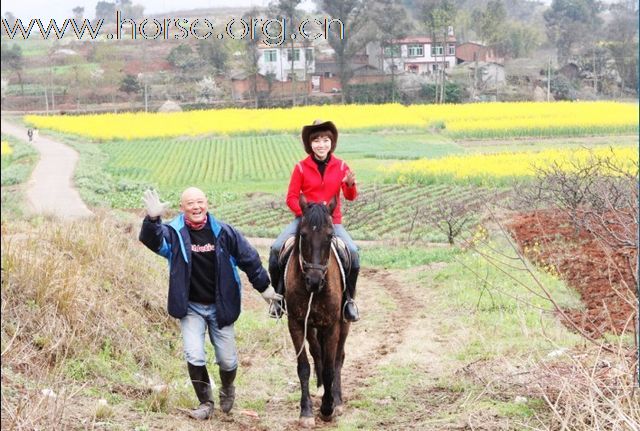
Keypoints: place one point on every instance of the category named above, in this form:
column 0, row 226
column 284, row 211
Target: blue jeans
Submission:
column 339, row 230
column 200, row 317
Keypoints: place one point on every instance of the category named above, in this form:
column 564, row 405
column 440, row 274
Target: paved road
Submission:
column 50, row 189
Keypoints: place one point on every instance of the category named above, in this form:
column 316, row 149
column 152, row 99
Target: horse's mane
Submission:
column 315, row 215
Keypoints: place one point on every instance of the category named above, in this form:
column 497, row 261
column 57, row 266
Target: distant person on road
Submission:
column 204, row 286
column 320, row 177
column 30, row 134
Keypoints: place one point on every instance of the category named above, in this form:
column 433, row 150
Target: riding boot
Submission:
column 276, row 307
column 227, row 391
column 350, row 309
column 202, row 385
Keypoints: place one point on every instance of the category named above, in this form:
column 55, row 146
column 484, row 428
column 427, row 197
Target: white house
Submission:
column 419, row 54
column 276, row 60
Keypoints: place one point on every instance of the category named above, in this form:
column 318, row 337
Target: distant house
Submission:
column 483, row 73
column 419, row 54
column 472, row 51
column 276, row 60
column 326, row 78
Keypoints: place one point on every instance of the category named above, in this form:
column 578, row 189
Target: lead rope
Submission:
column 306, row 318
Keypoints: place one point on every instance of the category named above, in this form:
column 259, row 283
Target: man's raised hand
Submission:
column 152, row 204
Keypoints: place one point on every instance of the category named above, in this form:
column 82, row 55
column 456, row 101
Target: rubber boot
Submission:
column 227, row 391
column 202, row 385
column 350, row 309
column 276, row 307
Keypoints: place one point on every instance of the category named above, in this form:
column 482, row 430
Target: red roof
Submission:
column 418, row 39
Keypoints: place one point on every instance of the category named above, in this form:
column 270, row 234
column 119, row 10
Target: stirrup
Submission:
column 344, row 311
column 276, row 310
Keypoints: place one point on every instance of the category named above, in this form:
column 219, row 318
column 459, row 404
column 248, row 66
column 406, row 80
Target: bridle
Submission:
column 306, row 266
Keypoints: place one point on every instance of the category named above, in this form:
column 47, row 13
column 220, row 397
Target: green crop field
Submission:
column 246, row 177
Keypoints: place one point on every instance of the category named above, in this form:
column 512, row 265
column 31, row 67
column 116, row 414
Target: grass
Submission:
column 16, row 169
column 406, row 257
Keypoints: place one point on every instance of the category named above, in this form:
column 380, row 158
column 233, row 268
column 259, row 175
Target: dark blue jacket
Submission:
column 172, row 241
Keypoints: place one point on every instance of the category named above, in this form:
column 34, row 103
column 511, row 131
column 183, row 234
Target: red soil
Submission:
column 603, row 276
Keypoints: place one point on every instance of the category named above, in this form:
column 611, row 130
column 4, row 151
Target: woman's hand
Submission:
column 349, row 178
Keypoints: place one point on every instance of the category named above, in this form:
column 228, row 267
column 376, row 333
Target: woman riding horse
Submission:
column 320, row 177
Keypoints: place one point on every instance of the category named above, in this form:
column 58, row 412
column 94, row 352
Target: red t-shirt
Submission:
column 306, row 179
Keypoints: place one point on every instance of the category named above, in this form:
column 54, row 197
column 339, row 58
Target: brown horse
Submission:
column 313, row 293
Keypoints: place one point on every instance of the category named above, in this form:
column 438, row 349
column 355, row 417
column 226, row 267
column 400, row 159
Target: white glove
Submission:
column 270, row 295
column 152, row 203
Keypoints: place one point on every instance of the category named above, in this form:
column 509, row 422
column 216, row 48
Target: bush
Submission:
column 379, row 92
column 453, row 93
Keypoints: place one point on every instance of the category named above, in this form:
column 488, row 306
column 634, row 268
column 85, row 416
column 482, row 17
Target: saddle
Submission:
column 338, row 247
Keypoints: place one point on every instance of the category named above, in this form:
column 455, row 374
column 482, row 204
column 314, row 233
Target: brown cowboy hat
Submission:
column 315, row 127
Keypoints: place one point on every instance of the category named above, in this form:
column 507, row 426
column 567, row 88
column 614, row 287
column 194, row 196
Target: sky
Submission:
column 61, row 9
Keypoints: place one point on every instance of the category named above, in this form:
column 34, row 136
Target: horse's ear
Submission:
column 332, row 204
column 303, row 202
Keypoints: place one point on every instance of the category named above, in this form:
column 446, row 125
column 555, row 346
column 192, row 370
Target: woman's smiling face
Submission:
column 321, row 146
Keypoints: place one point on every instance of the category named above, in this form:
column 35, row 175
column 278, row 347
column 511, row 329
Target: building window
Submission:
column 451, row 49
column 392, row 51
column 296, row 55
column 436, row 49
column 308, row 55
column 415, row 50
column 270, row 55
column 412, row 68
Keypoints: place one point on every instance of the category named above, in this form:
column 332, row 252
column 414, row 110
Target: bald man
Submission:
column 204, row 286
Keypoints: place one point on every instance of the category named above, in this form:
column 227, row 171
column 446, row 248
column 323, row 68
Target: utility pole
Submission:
column 549, row 81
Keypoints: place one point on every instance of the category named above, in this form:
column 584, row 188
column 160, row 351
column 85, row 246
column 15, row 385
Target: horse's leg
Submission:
column 330, row 346
column 316, row 354
column 296, row 329
column 337, row 381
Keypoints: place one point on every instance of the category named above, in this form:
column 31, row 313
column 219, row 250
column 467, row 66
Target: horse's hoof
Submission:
column 320, row 392
column 326, row 418
column 338, row 410
column 307, row 422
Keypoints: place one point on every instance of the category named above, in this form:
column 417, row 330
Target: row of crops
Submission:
column 486, row 120
column 382, row 211
column 206, row 162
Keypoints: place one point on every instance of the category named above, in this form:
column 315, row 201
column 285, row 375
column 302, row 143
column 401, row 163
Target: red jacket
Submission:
column 306, row 179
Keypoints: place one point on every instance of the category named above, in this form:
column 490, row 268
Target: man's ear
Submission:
column 332, row 204
column 303, row 202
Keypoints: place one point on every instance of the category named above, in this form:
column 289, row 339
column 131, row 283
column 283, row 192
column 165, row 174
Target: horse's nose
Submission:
column 313, row 282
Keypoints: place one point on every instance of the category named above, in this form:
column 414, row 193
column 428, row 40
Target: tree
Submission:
column 438, row 16
column 286, row 9
column 252, row 57
column 213, row 53
column 622, row 41
column 519, row 40
column 354, row 19
column 106, row 10
column 130, row 84
column 13, row 60
column 391, row 20
column 183, row 58
column 78, row 13
column 490, row 23
column 571, row 24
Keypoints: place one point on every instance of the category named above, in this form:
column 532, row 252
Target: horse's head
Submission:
column 315, row 233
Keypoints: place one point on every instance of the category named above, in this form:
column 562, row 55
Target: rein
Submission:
column 304, row 267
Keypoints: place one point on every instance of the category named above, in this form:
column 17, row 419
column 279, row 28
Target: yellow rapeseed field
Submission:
column 6, row 149
column 472, row 120
column 496, row 168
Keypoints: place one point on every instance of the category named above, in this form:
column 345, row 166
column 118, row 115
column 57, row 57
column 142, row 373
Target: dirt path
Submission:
column 50, row 189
